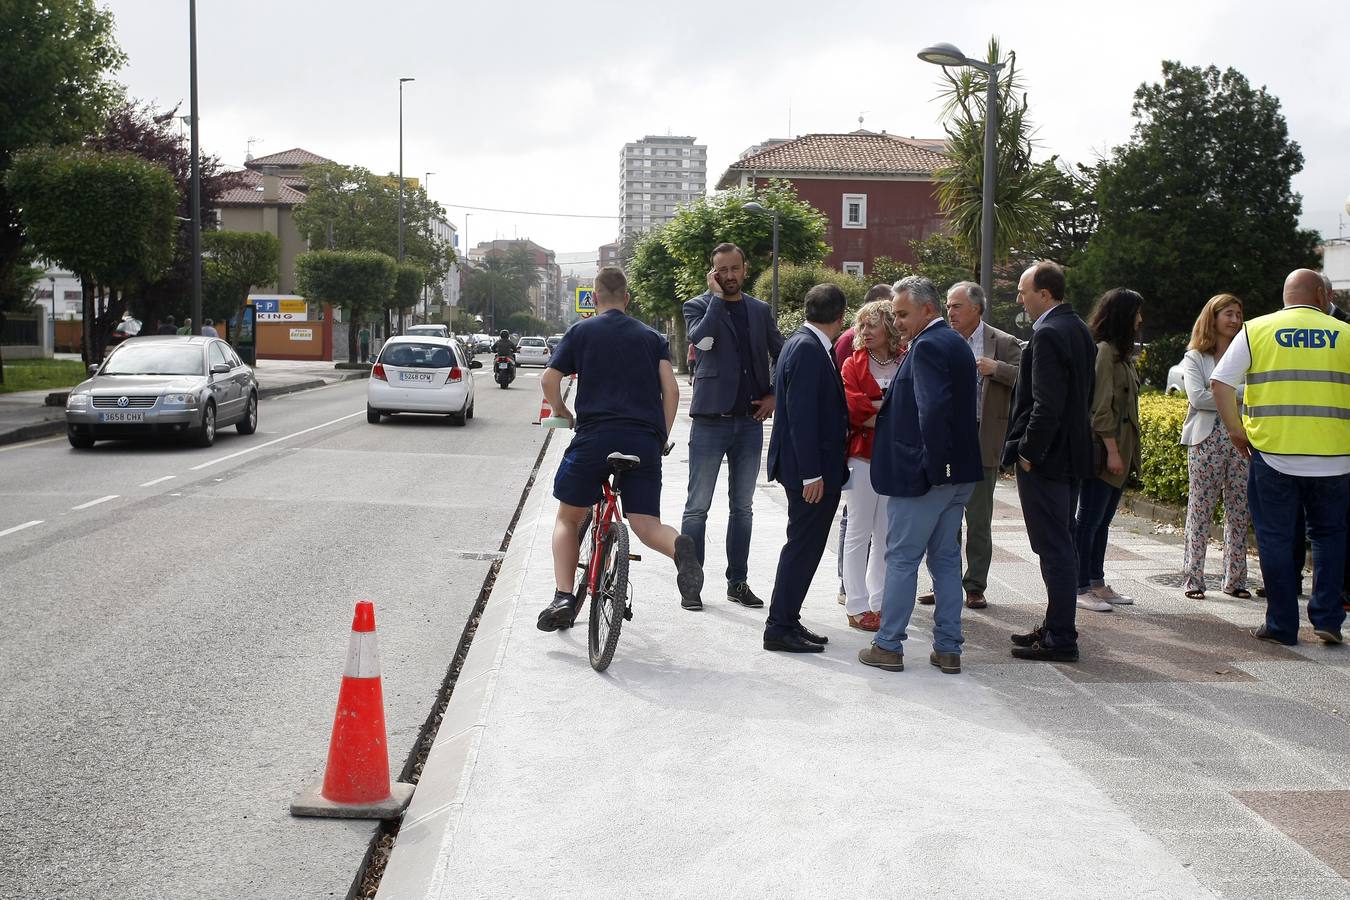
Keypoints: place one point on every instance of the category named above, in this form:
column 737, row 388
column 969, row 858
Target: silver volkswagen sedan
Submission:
column 164, row 385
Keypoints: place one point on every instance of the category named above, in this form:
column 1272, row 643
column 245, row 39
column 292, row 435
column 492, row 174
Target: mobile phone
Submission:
column 718, row 278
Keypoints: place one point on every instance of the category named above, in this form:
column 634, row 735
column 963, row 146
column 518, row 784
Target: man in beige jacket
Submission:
column 997, row 358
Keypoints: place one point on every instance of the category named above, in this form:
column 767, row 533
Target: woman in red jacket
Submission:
column 867, row 374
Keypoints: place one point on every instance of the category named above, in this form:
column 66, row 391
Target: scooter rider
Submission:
column 505, row 346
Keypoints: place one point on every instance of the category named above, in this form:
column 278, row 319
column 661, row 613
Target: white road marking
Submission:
column 9, row 531
column 266, row 444
column 96, row 502
column 26, row 444
column 155, row 481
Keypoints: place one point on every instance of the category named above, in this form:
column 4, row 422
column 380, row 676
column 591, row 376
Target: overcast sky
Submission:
column 526, row 106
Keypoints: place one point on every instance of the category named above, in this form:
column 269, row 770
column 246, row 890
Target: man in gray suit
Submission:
column 997, row 358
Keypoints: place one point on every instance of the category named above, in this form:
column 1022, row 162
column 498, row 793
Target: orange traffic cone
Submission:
column 356, row 781
column 545, row 411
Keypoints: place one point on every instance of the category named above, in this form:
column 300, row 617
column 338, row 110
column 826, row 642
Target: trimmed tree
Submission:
column 1198, row 202
column 408, row 282
column 235, row 263
column 355, row 281
column 108, row 217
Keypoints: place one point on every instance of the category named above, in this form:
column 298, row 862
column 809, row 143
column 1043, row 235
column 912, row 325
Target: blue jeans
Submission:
column 741, row 440
column 1276, row 500
column 1097, row 502
column 916, row 526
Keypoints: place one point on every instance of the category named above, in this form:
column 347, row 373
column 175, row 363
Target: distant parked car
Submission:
column 421, row 375
column 553, row 340
column 1176, row 384
column 441, row 331
column 164, row 385
column 484, row 343
column 532, row 351
column 127, row 328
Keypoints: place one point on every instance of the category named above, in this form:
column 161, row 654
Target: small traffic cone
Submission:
column 356, row 781
column 545, row 411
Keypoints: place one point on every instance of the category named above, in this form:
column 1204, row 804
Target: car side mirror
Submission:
column 475, row 364
column 220, row 369
column 93, row 369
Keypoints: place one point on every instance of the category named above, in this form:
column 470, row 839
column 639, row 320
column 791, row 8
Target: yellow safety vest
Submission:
column 1298, row 387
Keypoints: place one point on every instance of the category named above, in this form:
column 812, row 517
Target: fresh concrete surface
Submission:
column 700, row 765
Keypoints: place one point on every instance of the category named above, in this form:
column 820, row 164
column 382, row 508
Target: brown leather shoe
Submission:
column 975, row 601
column 926, row 599
column 878, row 658
column 949, row 663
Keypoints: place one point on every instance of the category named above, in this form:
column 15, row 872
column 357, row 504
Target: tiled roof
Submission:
column 859, row 153
column 294, row 157
column 248, row 191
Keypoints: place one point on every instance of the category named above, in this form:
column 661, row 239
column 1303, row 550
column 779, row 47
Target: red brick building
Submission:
column 876, row 190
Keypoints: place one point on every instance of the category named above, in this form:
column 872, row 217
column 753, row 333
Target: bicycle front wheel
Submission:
column 586, row 538
column 610, row 602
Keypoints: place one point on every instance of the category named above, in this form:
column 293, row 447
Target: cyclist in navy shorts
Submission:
column 626, row 400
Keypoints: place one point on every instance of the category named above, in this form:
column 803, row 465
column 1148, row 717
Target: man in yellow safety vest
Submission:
column 1295, row 427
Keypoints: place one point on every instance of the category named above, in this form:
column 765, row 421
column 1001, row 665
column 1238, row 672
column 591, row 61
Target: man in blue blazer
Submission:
column 808, row 457
column 736, row 336
column 926, row 459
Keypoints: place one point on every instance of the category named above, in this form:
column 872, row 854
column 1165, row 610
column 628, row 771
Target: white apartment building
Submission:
column 656, row 175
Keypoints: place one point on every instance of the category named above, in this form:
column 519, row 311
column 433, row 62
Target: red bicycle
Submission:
column 604, row 565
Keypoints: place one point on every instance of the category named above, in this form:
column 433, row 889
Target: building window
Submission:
column 855, row 211
column 853, row 268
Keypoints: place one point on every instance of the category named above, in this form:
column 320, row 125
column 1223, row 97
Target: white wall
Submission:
column 1336, row 263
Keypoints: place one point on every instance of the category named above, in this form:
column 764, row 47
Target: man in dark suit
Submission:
column 808, row 456
column 1050, row 441
column 926, row 459
column 735, row 335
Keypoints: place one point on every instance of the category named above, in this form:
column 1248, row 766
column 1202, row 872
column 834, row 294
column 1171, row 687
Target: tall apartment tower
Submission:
column 657, row 174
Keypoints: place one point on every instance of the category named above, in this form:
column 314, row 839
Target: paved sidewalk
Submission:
column 25, row 417
column 1180, row 758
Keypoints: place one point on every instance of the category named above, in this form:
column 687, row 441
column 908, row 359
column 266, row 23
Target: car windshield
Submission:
column 417, row 356
column 155, row 358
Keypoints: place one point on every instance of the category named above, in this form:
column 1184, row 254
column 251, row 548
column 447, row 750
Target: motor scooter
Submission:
column 503, row 370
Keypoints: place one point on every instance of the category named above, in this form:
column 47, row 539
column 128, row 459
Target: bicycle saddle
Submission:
column 623, row 462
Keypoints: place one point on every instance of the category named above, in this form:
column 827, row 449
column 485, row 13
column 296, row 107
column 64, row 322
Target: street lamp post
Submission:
column 196, row 200
column 948, row 55
column 755, row 207
column 401, row 82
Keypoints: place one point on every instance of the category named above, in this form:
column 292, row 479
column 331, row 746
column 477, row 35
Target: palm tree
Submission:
column 1023, row 209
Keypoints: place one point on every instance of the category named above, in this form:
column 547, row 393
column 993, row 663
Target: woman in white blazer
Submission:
column 1215, row 467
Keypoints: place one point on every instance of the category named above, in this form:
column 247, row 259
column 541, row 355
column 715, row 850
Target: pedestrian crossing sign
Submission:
column 585, row 302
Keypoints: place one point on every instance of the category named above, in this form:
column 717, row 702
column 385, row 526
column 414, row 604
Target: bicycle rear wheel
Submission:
column 611, row 601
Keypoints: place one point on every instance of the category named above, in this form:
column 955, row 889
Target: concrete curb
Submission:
column 432, row 818
column 58, row 426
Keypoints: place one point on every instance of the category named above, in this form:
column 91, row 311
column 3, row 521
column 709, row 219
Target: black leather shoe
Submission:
column 688, row 573
column 740, row 593
column 1039, row 651
column 792, row 643
column 926, row 599
column 1261, row 634
column 1026, row 640
column 561, row 613
column 803, row 631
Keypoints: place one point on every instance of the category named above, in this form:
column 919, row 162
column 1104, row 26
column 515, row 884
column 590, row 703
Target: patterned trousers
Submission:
column 1216, row 470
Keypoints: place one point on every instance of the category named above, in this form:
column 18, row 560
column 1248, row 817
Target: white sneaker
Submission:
column 1092, row 602
column 1111, row 595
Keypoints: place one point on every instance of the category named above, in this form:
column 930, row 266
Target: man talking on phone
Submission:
column 736, row 337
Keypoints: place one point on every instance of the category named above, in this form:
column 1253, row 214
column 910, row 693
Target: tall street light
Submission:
column 754, row 207
column 426, row 286
column 947, row 55
column 401, row 82
column 196, row 201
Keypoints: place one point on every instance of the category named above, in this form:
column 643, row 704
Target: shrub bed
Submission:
column 1163, row 475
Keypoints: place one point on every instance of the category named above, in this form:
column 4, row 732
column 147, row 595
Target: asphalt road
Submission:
column 176, row 625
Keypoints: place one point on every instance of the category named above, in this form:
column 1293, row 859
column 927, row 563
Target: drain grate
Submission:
column 490, row 555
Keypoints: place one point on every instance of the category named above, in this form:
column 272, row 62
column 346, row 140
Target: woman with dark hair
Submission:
column 1114, row 323
column 1215, row 467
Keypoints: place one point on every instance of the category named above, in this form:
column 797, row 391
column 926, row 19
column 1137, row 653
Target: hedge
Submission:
column 795, row 281
column 1164, row 473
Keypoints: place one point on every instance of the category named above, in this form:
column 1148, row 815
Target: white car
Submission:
column 532, row 351
column 421, row 375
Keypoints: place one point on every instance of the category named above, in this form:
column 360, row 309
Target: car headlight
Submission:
column 181, row 400
column 77, row 401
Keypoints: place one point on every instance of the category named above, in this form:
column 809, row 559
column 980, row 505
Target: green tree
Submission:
column 407, row 293
column 108, row 217
column 56, row 62
column 1199, row 201
column 1022, row 204
column 795, row 281
column 501, row 286
column 358, row 282
column 654, row 282
column 236, row 262
column 708, row 221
